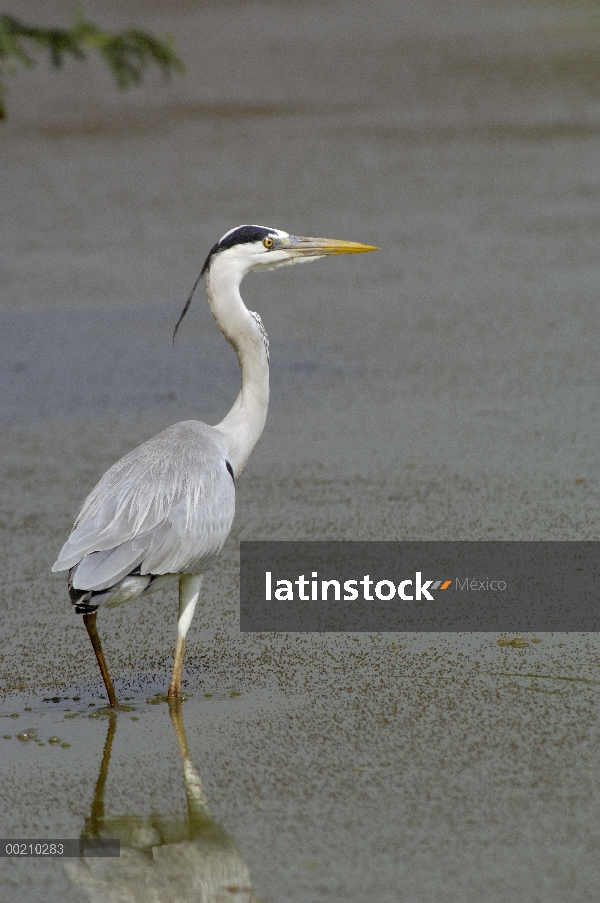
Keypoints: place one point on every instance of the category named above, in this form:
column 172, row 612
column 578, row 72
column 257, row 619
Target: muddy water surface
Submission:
column 446, row 387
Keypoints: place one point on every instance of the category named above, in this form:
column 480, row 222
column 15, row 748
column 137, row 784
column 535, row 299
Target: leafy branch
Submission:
column 127, row 53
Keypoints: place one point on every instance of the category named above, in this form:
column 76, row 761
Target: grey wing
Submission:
column 165, row 508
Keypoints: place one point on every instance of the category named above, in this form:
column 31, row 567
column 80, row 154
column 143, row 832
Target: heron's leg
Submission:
column 90, row 623
column 189, row 590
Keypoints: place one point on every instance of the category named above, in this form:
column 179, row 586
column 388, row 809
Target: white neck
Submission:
column 243, row 425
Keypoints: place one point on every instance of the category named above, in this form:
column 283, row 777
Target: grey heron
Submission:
column 163, row 512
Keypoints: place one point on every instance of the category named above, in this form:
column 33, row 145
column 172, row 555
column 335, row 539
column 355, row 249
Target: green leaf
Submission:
column 127, row 54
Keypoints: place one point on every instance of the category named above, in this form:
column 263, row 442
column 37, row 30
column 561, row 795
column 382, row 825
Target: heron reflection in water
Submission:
column 163, row 860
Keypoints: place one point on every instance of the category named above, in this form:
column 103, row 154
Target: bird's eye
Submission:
column 268, row 242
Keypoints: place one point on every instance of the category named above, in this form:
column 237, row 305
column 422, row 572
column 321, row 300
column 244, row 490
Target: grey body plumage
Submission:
column 165, row 508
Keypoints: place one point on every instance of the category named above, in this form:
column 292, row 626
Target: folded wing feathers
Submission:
column 167, row 506
column 99, row 570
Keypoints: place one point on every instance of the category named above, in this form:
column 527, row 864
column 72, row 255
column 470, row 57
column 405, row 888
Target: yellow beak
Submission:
column 300, row 246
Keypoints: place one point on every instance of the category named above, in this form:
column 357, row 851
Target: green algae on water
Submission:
column 517, row 642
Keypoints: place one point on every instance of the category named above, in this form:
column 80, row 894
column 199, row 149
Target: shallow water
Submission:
column 445, row 387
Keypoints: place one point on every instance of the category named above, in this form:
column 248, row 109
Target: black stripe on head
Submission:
column 241, row 236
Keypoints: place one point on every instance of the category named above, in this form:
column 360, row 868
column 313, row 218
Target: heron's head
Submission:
column 247, row 249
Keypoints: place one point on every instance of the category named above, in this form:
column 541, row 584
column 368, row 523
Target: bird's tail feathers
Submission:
column 82, row 599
